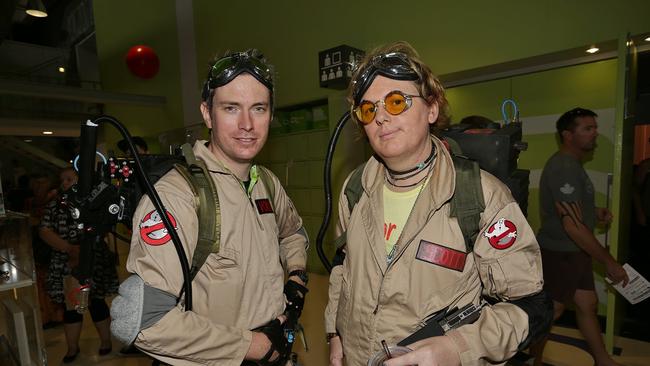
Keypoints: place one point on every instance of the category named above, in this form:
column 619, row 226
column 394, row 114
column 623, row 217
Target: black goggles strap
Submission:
column 228, row 68
column 393, row 66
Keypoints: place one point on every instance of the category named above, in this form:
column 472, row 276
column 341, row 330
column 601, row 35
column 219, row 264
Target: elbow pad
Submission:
column 136, row 307
column 539, row 308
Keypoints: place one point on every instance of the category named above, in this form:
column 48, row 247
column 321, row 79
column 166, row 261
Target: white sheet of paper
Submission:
column 637, row 290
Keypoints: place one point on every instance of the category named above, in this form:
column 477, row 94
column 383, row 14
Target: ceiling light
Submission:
column 47, row 132
column 61, row 69
column 593, row 49
column 36, row 8
column 647, row 39
column 27, row 140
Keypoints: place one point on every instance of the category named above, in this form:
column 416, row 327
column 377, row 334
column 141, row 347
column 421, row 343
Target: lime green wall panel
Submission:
column 590, row 85
column 555, row 91
column 483, row 99
column 451, row 36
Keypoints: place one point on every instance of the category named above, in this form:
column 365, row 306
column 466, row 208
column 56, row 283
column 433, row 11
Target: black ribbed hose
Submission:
column 157, row 203
column 327, row 182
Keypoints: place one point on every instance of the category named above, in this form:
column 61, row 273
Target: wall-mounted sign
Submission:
column 335, row 66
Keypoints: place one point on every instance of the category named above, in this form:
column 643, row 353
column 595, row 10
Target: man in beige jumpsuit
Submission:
column 384, row 291
column 240, row 288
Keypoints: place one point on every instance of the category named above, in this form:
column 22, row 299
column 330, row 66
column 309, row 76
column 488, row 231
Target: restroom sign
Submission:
column 335, row 66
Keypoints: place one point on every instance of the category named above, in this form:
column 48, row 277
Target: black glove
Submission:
column 295, row 294
column 274, row 331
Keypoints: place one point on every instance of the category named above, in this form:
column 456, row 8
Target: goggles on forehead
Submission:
column 393, row 65
column 395, row 102
column 227, row 68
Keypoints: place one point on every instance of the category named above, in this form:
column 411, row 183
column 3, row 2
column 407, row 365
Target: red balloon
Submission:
column 143, row 61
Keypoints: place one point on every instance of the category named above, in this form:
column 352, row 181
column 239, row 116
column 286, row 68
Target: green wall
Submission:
column 119, row 26
column 451, row 36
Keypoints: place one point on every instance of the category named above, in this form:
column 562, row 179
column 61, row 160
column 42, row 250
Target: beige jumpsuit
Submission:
column 370, row 300
column 237, row 289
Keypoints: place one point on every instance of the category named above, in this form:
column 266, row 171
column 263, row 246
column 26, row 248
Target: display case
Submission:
column 21, row 335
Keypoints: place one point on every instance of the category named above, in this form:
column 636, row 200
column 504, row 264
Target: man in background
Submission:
column 568, row 244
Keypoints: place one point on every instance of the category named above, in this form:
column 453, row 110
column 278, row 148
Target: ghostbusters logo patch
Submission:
column 502, row 234
column 152, row 229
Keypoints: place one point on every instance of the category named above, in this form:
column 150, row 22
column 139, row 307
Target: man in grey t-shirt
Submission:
column 566, row 236
column 564, row 180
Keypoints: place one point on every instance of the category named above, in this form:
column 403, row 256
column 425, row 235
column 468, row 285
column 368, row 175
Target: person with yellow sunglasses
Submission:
column 405, row 260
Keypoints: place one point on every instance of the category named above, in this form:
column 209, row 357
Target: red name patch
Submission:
column 441, row 256
column 502, row 234
column 264, row 206
column 152, row 229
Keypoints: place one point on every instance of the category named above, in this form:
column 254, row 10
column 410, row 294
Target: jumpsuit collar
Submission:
column 215, row 165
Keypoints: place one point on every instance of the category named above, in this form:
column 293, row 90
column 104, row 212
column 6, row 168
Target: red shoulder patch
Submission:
column 152, row 229
column 502, row 234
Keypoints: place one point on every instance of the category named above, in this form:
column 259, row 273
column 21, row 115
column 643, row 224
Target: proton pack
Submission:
column 196, row 174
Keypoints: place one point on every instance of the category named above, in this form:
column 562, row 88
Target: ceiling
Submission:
column 17, row 25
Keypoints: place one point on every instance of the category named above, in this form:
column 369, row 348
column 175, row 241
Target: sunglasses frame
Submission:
column 408, row 98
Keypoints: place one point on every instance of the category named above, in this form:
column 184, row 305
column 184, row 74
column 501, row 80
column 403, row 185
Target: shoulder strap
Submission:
column 467, row 203
column 354, row 188
column 208, row 209
column 353, row 191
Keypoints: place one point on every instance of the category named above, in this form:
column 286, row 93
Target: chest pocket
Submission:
column 221, row 281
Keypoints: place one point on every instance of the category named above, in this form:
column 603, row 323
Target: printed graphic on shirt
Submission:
column 440, row 255
column 502, row 234
column 152, row 229
column 389, row 230
column 264, row 206
column 567, row 189
column 397, row 208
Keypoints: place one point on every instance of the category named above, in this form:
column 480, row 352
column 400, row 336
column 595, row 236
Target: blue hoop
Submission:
column 76, row 159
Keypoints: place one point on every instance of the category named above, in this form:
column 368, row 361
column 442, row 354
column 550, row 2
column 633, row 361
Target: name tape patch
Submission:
column 442, row 256
column 264, row 206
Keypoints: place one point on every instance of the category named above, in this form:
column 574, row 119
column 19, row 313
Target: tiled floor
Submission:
column 634, row 353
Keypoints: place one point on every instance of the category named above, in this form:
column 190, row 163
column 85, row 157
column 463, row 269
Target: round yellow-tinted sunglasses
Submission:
column 395, row 102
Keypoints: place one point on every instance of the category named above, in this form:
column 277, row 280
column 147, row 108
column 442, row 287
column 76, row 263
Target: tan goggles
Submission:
column 394, row 102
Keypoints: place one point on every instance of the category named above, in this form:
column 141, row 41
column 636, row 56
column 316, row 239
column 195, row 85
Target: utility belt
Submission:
column 445, row 320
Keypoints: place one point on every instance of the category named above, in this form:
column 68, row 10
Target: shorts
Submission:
column 566, row 272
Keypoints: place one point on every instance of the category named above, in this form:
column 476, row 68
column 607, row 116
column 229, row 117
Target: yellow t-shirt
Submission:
column 397, row 208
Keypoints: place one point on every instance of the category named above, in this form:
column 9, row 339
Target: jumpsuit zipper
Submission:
column 250, row 200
